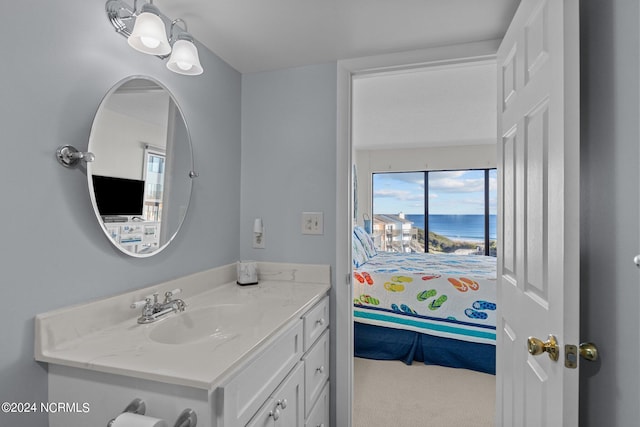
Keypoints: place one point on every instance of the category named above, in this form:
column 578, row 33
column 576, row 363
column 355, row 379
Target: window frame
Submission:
column 487, row 198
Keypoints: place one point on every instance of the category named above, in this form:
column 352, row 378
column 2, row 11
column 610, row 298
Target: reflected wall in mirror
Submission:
column 140, row 180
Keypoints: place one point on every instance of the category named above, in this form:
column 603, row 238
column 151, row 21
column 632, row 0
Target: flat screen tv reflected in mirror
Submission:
column 118, row 196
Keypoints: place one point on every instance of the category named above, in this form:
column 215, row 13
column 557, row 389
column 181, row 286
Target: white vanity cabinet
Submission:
column 287, row 384
column 271, row 368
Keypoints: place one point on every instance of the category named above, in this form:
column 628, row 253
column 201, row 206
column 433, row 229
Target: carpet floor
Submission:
column 388, row 393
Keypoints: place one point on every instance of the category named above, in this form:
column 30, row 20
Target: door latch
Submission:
column 570, row 356
column 587, row 351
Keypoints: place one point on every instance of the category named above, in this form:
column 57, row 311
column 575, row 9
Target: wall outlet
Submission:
column 312, row 223
column 258, row 240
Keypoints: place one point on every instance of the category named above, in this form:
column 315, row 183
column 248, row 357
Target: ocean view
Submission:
column 457, row 227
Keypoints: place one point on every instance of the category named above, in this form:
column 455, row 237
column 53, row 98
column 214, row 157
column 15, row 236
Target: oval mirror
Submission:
column 140, row 179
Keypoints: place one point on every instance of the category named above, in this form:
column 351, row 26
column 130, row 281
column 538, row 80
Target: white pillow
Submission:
column 367, row 242
column 358, row 253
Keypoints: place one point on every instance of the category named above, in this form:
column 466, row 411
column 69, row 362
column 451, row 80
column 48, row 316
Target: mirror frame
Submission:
column 190, row 173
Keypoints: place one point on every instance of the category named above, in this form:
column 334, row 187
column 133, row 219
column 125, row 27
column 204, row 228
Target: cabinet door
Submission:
column 265, row 416
column 290, row 399
column 319, row 416
column 285, row 406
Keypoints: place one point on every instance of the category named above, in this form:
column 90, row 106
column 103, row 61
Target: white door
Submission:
column 538, row 158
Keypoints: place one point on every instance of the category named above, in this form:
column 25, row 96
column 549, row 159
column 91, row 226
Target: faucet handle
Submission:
column 140, row 303
column 175, row 291
column 169, row 294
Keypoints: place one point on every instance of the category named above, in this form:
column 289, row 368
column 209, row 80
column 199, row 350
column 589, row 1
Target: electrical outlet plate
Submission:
column 258, row 240
column 312, row 223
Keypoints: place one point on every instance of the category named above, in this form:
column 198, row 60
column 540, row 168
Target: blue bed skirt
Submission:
column 378, row 342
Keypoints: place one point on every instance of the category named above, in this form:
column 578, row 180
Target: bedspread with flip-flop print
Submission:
column 451, row 296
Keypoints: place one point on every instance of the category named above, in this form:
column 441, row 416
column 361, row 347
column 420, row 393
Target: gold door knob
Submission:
column 589, row 351
column 537, row 346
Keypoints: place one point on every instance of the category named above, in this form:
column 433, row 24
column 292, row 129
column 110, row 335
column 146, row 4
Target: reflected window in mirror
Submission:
column 154, row 164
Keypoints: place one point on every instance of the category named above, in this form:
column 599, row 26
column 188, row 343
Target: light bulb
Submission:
column 150, row 42
column 184, row 65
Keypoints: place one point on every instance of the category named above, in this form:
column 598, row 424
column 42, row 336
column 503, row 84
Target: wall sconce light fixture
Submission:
column 146, row 32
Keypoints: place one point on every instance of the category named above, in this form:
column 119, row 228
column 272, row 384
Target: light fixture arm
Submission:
column 135, row 11
column 113, row 8
column 173, row 25
column 183, row 34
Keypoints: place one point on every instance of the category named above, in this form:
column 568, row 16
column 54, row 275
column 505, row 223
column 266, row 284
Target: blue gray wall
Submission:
column 289, row 167
column 610, row 234
column 58, row 62
column 289, row 162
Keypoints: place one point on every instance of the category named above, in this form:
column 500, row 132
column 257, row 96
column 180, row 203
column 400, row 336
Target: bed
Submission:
column 432, row 308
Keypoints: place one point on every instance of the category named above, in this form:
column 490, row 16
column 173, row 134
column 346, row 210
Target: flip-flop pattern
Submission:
column 472, row 284
column 458, row 284
column 464, row 284
column 424, row 295
column 474, row 314
column 403, row 309
column 368, row 299
column 368, row 278
column 394, row 287
column 484, row 305
column 437, row 303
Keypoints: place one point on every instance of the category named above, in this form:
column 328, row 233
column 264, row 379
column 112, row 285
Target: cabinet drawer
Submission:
column 251, row 387
column 316, row 371
column 319, row 415
column 315, row 322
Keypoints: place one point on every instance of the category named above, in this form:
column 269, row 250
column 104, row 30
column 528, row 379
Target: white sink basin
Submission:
column 216, row 322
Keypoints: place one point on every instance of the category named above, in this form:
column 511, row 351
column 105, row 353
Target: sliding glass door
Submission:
column 435, row 211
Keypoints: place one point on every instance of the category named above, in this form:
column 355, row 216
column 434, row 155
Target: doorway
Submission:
column 482, row 51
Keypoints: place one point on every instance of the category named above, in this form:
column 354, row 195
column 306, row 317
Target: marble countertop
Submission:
column 91, row 336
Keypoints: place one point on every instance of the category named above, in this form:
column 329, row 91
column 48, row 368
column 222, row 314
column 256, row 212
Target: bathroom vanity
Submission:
column 237, row 356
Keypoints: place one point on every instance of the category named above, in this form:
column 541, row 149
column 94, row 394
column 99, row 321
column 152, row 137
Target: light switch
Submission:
column 312, row 223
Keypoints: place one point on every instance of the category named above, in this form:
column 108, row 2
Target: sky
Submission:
column 450, row 193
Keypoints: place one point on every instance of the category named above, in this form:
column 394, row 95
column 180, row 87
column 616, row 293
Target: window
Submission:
column 436, row 211
column 153, row 172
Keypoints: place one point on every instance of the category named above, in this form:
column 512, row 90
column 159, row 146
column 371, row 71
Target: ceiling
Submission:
column 261, row 35
column 414, row 109
column 430, row 107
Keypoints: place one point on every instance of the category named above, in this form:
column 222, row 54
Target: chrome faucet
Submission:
column 153, row 310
